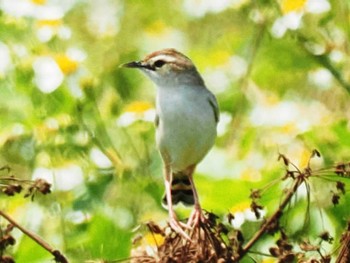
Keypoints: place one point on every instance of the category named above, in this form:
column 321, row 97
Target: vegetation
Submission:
column 77, row 133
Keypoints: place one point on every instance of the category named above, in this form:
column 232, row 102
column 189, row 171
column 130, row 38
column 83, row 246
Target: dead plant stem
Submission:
column 344, row 254
column 57, row 254
column 274, row 218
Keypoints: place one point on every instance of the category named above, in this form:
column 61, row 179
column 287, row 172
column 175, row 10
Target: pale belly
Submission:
column 186, row 130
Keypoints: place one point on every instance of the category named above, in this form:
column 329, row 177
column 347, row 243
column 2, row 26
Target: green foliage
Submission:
column 70, row 114
column 26, row 248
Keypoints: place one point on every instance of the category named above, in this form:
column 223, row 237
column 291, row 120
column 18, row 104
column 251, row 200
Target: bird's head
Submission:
column 168, row 67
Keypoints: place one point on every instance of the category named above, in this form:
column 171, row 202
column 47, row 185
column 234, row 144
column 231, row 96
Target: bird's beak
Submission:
column 133, row 64
column 137, row 64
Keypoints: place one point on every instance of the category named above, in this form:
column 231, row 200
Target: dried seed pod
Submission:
column 284, row 159
column 341, row 187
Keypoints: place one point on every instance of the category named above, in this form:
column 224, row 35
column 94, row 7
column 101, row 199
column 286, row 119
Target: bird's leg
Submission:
column 197, row 213
column 173, row 221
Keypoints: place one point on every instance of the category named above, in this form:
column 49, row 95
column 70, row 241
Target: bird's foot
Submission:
column 196, row 218
column 179, row 228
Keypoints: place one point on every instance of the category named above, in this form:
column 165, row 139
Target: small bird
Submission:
column 187, row 114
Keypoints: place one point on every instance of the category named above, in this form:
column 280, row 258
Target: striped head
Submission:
column 168, row 67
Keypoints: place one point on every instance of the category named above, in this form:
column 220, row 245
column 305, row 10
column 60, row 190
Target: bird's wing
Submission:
column 214, row 104
column 156, row 120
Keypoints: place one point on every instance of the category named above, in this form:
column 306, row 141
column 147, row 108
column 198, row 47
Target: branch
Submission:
column 111, row 152
column 324, row 61
column 89, row 85
column 59, row 257
column 344, row 254
column 274, row 218
column 253, row 51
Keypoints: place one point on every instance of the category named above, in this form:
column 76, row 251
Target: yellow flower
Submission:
column 270, row 260
column 49, row 22
column 219, row 57
column 154, row 239
column 138, row 110
column 304, row 159
column 213, row 58
column 156, row 28
column 288, row 128
column 39, row 2
column 292, row 5
column 138, row 107
column 240, row 207
column 66, row 64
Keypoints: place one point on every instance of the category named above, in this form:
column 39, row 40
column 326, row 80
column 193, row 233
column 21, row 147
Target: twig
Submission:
column 274, row 218
column 112, row 153
column 253, row 51
column 59, row 257
column 324, row 61
column 344, row 254
column 15, row 179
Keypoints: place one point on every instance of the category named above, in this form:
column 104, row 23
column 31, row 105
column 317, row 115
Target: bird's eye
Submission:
column 159, row 63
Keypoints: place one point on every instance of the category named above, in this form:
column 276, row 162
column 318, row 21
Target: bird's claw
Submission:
column 195, row 218
column 178, row 227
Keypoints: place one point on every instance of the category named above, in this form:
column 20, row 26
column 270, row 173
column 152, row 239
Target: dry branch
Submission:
column 271, row 222
column 59, row 257
column 344, row 254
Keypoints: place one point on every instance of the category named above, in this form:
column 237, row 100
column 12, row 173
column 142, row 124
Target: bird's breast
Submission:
column 187, row 127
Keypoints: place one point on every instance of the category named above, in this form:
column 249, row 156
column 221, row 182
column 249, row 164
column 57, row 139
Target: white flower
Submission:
column 291, row 20
column 321, row 78
column 200, row 8
column 48, row 75
column 317, row 6
column 64, row 178
column 24, row 8
column 293, row 11
column 300, row 115
column 104, row 17
column 99, row 158
column 138, row 110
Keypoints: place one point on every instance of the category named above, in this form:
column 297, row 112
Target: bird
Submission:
column 187, row 114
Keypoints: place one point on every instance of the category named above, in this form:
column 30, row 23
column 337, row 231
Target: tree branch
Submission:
column 344, row 254
column 274, row 218
column 324, row 61
column 59, row 257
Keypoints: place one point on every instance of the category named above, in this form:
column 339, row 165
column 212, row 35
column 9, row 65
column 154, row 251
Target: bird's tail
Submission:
column 181, row 190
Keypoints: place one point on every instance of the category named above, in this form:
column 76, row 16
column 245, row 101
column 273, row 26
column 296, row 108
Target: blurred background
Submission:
column 279, row 68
